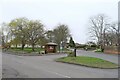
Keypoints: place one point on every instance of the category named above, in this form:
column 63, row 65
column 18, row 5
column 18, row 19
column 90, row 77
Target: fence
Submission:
column 111, row 50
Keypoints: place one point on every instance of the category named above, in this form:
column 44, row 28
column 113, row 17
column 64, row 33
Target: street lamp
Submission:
column 61, row 46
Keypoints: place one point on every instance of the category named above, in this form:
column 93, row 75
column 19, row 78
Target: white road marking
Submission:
column 59, row 74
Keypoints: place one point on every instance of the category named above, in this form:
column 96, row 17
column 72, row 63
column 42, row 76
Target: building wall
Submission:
column 50, row 49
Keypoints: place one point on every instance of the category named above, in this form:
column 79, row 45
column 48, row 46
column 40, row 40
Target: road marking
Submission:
column 59, row 74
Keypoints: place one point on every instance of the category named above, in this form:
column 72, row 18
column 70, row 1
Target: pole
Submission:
column 118, row 38
column 75, row 52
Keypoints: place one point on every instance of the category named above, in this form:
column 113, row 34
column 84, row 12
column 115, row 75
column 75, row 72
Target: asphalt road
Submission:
column 45, row 67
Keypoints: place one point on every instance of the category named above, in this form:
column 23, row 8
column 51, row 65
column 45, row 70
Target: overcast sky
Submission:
column 74, row 13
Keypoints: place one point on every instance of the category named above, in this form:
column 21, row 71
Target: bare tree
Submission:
column 98, row 26
column 115, row 28
column 111, row 35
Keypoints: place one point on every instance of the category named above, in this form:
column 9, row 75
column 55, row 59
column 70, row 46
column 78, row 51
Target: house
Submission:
column 50, row 48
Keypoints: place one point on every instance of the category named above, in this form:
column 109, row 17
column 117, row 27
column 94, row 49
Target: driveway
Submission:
column 46, row 67
column 109, row 57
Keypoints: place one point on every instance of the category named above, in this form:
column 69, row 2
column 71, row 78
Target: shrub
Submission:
column 81, row 46
column 94, row 46
column 71, row 54
column 98, row 50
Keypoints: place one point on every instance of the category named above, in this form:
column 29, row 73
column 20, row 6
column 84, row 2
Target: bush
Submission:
column 81, row 46
column 71, row 54
column 98, row 50
column 94, row 46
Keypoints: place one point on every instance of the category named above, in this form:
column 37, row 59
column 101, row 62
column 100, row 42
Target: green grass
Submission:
column 28, row 50
column 88, row 61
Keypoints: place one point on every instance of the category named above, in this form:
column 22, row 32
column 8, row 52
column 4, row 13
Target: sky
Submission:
column 74, row 13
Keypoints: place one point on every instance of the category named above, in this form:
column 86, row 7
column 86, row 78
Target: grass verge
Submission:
column 89, row 62
column 27, row 50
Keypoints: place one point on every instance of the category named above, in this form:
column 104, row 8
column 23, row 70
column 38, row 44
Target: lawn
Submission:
column 88, row 61
column 28, row 50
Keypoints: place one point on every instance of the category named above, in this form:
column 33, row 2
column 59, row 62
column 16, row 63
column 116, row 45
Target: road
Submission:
column 45, row 67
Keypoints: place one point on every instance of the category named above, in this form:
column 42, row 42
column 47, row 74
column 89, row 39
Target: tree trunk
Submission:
column 33, row 47
column 23, row 45
column 16, row 45
column 59, row 48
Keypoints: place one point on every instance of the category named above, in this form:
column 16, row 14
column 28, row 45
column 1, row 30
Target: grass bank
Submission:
column 88, row 61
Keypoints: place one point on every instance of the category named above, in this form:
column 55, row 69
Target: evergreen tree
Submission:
column 71, row 42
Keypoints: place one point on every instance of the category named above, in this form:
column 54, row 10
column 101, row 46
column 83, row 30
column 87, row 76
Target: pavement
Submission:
column 45, row 67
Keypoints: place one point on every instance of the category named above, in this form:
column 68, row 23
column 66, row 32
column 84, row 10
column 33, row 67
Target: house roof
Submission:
column 51, row 43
